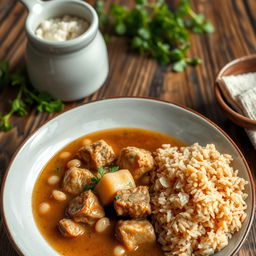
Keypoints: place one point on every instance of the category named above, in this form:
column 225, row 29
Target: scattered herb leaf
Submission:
column 95, row 179
column 154, row 29
column 27, row 96
column 117, row 196
column 114, row 169
column 101, row 171
column 90, row 187
column 179, row 66
column 57, row 169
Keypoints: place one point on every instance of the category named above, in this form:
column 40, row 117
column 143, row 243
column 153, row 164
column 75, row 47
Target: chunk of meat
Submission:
column 85, row 208
column 112, row 182
column 97, row 154
column 134, row 202
column 75, row 180
column 133, row 233
column 69, row 228
column 138, row 161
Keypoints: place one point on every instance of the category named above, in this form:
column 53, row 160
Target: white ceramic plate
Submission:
column 32, row 156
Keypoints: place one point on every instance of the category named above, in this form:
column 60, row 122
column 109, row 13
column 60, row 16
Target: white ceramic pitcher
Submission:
column 68, row 70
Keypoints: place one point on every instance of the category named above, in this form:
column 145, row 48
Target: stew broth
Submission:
column 93, row 243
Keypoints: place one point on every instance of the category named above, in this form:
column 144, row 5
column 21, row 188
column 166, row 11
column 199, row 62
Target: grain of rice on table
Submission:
column 198, row 200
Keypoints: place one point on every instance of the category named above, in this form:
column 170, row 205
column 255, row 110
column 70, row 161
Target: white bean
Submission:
column 145, row 180
column 74, row 163
column 53, row 180
column 86, row 142
column 59, row 195
column 119, row 250
column 64, row 155
column 44, row 208
column 102, row 224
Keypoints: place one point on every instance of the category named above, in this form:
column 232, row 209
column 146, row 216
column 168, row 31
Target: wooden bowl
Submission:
column 238, row 66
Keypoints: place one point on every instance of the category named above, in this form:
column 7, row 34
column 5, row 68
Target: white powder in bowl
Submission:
column 61, row 29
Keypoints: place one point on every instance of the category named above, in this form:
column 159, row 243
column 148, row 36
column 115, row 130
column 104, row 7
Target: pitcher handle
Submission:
column 33, row 6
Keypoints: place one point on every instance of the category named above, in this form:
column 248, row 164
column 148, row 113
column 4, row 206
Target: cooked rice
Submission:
column 198, row 200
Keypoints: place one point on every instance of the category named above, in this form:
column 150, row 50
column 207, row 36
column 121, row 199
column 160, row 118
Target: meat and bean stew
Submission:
column 93, row 198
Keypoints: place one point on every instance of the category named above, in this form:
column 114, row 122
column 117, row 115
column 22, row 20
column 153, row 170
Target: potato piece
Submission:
column 113, row 182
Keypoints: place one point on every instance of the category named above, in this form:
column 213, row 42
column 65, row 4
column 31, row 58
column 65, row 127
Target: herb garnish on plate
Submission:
column 101, row 171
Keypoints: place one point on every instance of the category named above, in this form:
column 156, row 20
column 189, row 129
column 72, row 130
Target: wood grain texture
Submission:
column 133, row 75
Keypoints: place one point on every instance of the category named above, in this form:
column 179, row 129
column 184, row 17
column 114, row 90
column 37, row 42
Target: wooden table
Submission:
column 132, row 75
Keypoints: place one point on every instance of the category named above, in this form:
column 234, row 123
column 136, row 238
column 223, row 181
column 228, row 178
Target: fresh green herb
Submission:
column 94, row 182
column 27, row 96
column 101, row 171
column 89, row 187
column 153, row 29
column 95, row 179
column 129, row 200
column 196, row 22
column 117, row 196
column 57, row 169
column 114, row 169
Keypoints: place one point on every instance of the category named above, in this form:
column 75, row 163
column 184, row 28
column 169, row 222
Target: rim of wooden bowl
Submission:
column 230, row 113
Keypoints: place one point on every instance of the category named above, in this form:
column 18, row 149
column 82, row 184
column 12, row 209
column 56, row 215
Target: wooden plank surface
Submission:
column 132, row 75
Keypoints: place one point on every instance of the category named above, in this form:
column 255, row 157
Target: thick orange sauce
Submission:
column 92, row 244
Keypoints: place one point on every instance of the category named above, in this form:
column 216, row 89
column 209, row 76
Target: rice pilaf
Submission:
column 198, row 200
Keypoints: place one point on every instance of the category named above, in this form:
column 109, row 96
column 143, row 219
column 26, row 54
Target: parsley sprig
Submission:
column 154, row 29
column 95, row 180
column 113, row 169
column 101, row 172
column 26, row 97
column 117, row 197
